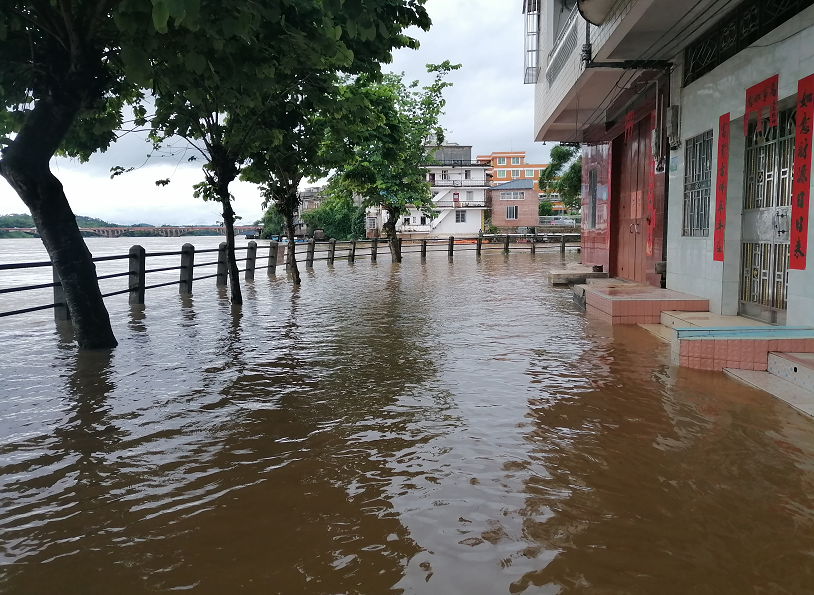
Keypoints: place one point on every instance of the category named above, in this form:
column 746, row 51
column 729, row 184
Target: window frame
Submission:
column 460, row 216
column 516, row 212
column 501, row 173
column 697, row 190
column 501, row 161
column 516, row 161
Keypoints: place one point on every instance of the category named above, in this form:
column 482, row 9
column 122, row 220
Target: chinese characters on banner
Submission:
column 629, row 125
column 801, row 183
column 721, row 178
column 651, row 194
column 761, row 95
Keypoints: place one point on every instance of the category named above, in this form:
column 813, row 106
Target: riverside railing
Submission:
column 314, row 251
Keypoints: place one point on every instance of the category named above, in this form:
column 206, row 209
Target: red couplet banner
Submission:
column 651, row 194
column 801, row 184
column 762, row 95
column 721, row 178
column 629, row 123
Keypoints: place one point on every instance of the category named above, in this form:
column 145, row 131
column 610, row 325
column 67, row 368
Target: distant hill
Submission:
column 23, row 220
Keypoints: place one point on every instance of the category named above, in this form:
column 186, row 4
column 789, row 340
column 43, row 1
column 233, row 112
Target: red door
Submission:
column 631, row 173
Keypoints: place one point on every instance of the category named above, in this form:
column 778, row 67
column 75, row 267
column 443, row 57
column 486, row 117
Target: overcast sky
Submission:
column 488, row 107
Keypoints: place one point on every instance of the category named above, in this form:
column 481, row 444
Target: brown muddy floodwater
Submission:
column 424, row 428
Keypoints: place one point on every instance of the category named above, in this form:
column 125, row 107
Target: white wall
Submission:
column 690, row 268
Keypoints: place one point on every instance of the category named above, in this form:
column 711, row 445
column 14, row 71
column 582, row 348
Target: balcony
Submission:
column 439, row 183
column 460, row 204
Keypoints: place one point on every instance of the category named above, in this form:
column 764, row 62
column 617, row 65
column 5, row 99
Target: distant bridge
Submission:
column 167, row 232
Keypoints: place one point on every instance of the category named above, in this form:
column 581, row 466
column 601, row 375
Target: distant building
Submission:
column 505, row 166
column 514, row 205
column 458, row 187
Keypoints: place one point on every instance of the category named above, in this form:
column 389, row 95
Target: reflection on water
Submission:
column 419, row 428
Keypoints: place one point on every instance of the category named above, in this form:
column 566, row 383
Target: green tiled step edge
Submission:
column 746, row 332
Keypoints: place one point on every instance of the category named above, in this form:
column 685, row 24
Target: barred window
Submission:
column 460, row 216
column 697, row 184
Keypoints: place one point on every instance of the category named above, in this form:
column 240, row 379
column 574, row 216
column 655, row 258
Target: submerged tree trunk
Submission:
column 291, row 256
column 234, row 273
column 225, row 170
column 392, row 238
column 25, row 165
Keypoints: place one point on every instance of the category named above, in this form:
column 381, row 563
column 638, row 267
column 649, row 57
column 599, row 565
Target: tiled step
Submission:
column 626, row 303
column 705, row 319
column 660, row 331
column 797, row 368
column 799, row 398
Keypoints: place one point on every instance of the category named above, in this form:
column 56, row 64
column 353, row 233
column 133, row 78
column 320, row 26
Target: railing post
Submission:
column 223, row 266
column 451, row 246
column 331, row 250
column 309, row 255
column 424, row 249
column 352, row 252
column 251, row 260
column 506, row 244
column 138, row 259
column 479, row 245
column 534, row 242
column 562, row 244
column 187, row 269
column 61, row 310
column 374, row 250
column 272, row 267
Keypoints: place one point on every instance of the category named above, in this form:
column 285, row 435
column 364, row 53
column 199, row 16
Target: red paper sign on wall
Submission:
column 721, row 180
column 651, row 195
column 801, row 183
column 629, row 122
column 761, row 95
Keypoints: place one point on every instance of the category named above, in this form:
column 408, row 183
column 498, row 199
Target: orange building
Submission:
column 511, row 165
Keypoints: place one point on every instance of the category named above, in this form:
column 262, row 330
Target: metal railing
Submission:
column 329, row 251
column 440, row 183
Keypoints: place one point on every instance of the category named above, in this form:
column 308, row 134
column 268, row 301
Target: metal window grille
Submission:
column 697, row 184
column 460, row 216
column 770, row 162
column 512, row 195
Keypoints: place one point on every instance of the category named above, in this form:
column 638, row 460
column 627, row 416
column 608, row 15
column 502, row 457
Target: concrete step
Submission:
column 705, row 319
column 799, row 398
column 797, row 368
column 660, row 331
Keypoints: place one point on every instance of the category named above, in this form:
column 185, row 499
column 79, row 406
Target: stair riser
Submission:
column 792, row 371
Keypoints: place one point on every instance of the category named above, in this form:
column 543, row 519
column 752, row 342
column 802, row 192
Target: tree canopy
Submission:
column 387, row 166
column 563, row 175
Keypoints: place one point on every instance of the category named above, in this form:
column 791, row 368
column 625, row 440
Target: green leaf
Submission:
column 195, row 62
column 136, row 63
column 3, row 30
column 161, row 14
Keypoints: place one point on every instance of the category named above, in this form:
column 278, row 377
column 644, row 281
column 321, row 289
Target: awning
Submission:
column 595, row 11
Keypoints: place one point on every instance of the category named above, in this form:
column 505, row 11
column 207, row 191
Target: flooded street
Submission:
column 417, row 428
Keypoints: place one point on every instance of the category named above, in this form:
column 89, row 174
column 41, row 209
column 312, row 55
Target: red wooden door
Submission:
column 630, row 196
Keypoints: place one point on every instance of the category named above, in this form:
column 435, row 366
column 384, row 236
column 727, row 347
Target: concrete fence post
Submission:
column 138, row 261
column 534, row 243
column 251, row 260
column 61, row 309
column 352, row 252
column 374, row 250
column 309, row 255
column 272, row 266
column 479, row 245
column 187, row 269
column 506, row 244
column 331, row 250
column 451, row 246
column 223, row 266
column 562, row 244
column 424, row 249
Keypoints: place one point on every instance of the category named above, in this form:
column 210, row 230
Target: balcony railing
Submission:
column 456, row 163
column 437, row 182
column 460, row 204
column 564, row 46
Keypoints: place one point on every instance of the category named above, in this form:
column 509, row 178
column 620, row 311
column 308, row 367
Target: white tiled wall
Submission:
column 789, row 52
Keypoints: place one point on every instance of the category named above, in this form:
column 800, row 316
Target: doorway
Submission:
column 766, row 218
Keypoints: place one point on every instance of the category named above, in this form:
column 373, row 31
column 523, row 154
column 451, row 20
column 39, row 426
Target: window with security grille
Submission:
column 697, row 184
column 460, row 216
column 512, row 195
column 511, row 212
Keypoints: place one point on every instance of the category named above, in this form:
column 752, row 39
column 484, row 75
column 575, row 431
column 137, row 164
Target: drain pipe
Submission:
column 587, row 50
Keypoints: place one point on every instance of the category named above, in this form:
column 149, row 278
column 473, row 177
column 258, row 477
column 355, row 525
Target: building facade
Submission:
column 695, row 122
column 506, row 166
column 514, row 205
